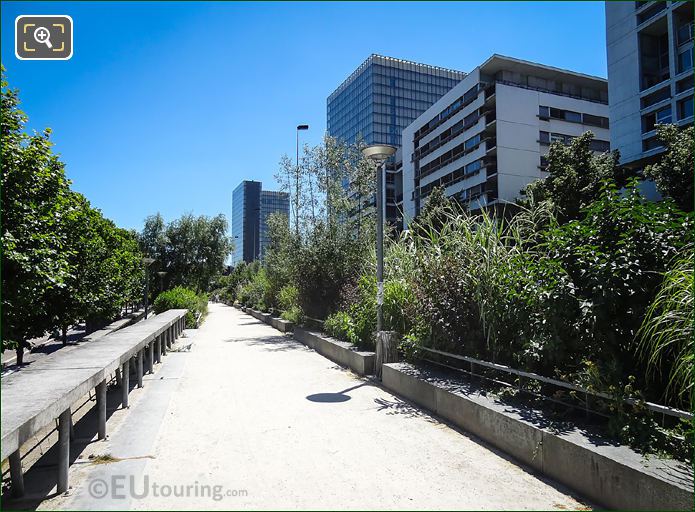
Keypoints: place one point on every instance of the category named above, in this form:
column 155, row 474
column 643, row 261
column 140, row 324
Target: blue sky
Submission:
column 167, row 106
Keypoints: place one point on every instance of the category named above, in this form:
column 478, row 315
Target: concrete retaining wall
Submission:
column 612, row 475
column 282, row 325
column 362, row 363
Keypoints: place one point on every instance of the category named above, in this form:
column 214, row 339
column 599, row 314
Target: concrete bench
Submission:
column 44, row 391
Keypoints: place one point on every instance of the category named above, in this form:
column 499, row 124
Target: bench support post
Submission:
column 16, row 475
column 139, row 367
column 158, row 349
column 150, row 357
column 101, row 406
column 163, row 344
column 119, row 379
column 126, row 383
column 63, row 450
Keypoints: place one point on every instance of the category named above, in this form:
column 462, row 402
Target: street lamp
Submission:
column 147, row 262
column 296, row 219
column 379, row 153
column 161, row 275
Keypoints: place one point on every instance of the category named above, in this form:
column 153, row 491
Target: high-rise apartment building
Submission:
column 650, row 73
column 378, row 100
column 487, row 138
column 251, row 208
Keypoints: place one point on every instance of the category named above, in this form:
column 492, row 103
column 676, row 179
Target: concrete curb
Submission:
column 282, row 325
column 612, row 475
column 362, row 363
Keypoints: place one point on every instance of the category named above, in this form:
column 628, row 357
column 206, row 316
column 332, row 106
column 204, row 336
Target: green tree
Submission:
column 673, row 173
column 575, row 176
column 35, row 199
column 191, row 250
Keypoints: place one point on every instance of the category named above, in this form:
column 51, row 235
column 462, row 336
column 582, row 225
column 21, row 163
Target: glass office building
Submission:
column 383, row 96
column 377, row 101
column 271, row 202
column 251, row 207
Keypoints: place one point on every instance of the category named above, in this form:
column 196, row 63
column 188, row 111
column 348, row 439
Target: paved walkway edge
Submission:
column 614, row 476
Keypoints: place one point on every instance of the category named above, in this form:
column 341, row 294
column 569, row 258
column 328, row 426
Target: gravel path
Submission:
column 252, row 419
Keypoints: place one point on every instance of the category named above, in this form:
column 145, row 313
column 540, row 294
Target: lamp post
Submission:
column 147, row 262
column 379, row 153
column 296, row 201
column 161, row 275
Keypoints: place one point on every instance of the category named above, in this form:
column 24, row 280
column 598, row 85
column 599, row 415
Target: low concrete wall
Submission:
column 612, row 475
column 282, row 325
column 362, row 363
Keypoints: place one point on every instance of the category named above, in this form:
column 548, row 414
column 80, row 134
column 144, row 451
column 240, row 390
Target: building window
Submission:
column 600, row 146
column 656, row 97
column 685, row 33
column 651, row 143
column 684, row 85
column 472, row 142
column 685, row 60
column 544, row 137
column 571, row 116
column 662, row 116
column 592, row 120
column 685, row 108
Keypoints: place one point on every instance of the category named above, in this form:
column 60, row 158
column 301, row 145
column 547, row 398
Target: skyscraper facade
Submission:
column 251, row 208
column 378, row 100
column 650, row 74
column 271, row 202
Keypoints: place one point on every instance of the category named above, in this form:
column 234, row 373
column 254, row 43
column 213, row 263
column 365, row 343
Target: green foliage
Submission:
column 183, row 298
column 666, row 336
column 255, row 292
column 575, row 176
column 191, row 250
column 340, row 326
column 288, row 299
column 62, row 260
column 673, row 174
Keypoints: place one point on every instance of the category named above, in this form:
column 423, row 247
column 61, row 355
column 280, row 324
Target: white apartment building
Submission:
column 486, row 139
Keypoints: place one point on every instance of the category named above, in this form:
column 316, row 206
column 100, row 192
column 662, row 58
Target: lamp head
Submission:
column 378, row 152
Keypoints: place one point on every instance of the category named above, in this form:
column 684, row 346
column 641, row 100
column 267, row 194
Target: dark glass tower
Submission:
column 383, row 96
column 251, row 207
column 377, row 101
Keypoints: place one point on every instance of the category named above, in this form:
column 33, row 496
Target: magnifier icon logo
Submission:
column 43, row 36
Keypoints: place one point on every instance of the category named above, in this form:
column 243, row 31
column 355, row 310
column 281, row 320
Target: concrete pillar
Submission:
column 150, row 357
column 101, row 407
column 126, row 383
column 139, row 367
column 119, row 380
column 63, row 450
column 157, row 349
column 386, row 350
column 163, row 344
column 16, row 474
column 170, row 339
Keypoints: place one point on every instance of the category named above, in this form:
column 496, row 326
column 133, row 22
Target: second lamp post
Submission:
column 379, row 153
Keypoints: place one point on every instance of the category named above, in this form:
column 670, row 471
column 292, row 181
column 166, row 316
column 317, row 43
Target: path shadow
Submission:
column 403, row 408
column 340, row 396
column 277, row 343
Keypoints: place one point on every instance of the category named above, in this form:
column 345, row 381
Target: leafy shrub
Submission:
column 183, row 298
column 255, row 292
column 288, row 299
column 339, row 325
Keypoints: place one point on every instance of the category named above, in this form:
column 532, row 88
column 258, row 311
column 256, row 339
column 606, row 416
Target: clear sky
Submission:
column 167, row 106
